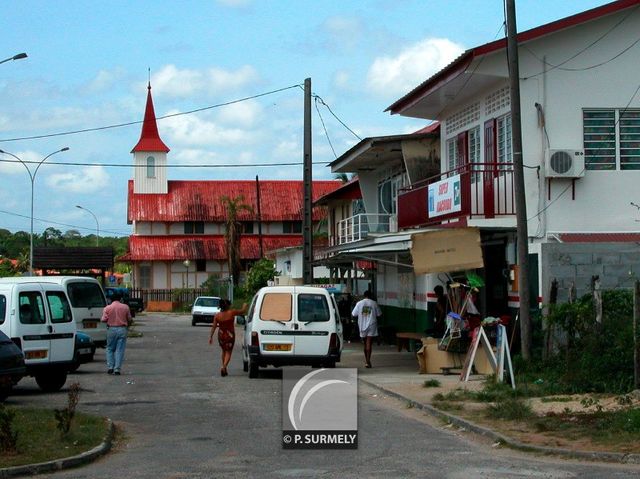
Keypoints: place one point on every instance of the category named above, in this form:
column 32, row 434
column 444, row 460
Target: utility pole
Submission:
column 307, row 221
column 259, row 217
column 518, row 179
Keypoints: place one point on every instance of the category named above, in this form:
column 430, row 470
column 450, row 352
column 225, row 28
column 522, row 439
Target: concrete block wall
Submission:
column 617, row 264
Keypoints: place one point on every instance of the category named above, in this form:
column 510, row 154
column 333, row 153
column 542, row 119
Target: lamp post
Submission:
column 186, row 264
column 18, row 56
column 97, row 224
column 32, row 176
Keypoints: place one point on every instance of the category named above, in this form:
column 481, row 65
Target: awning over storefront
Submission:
column 447, row 250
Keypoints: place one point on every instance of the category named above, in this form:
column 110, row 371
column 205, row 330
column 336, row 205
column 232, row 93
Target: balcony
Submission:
column 473, row 191
column 360, row 226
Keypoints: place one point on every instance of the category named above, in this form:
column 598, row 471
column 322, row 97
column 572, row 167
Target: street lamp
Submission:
column 97, row 224
column 18, row 56
column 32, row 176
column 186, row 264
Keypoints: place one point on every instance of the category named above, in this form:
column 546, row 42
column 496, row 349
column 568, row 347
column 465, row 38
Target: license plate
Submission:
column 90, row 325
column 84, row 351
column 277, row 347
column 39, row 354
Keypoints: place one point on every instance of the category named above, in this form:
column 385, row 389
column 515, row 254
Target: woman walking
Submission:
column 224, row 321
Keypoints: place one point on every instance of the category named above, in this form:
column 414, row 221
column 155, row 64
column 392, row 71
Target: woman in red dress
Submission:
column 224, row 321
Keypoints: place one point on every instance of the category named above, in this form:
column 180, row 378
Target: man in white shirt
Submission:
column 367, row 311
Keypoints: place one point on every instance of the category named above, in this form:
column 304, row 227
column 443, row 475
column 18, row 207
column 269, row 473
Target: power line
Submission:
column 63, row 224
column 597, row 40
column 207, row 165
column 325, row 128
column 318, row 98
column 120, row 125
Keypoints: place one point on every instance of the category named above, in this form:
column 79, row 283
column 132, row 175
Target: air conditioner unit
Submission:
column 565, row 164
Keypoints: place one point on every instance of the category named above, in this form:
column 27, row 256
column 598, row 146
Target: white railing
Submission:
column 360, row 226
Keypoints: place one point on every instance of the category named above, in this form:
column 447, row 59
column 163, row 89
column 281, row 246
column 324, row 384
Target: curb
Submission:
column 65, row 463
column 620, row 457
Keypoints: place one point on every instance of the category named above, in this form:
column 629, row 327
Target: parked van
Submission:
column 38, row 319
column 291, row 325
column 87, row 302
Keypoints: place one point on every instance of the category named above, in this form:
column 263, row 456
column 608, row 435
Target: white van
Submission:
column 39, row 320
column 87, row 302
column 291, row 325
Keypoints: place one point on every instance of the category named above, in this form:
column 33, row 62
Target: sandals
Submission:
column 223, row 372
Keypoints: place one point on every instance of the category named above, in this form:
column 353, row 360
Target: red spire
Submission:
column 150, row 138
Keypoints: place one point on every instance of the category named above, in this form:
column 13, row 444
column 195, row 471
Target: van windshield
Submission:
column 312, row 308
column 86, row 295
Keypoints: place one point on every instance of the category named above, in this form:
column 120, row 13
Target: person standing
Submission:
column 367, row 311
column 117, row 315
column 224, row 321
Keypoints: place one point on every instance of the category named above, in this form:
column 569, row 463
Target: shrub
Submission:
column 64, row 417
column 8, row 437
column 432, row 383
column 511, row 409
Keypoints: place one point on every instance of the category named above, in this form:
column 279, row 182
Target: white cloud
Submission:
column 244, row 114
column 193, row 130
column 341, row 80
column 83, row 180
column 173, row 82
column 391, row 76
column 343, row 32
column 104, row 80
column 234, row 3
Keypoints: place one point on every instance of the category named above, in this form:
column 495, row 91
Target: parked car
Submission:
column 87, row 302
column 38, row 318
column 85, row 350
column 136, row 305
column 204, row 309
column 291, row 325
column 12, row 366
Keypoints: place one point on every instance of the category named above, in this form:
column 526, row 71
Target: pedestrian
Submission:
column 440, row 317
column 367, row 311
column 117, row 315
column 224, row 321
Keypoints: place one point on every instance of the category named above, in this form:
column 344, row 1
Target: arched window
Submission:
column 151, row 167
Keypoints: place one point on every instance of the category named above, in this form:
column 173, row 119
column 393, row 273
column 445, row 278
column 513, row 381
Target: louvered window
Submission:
column 611, row 139
column 474, row 152
column 504, row 141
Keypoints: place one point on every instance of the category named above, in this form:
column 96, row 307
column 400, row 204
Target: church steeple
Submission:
column 150, row 155
column 149, row 137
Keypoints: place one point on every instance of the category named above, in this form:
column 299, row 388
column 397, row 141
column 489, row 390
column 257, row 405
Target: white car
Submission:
column 291, row 325
column 204, row 309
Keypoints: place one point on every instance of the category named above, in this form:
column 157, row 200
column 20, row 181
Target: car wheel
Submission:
column 193, row 322
column 51, row 381
column 254, row 369
column 74, row 368
column 245, row 365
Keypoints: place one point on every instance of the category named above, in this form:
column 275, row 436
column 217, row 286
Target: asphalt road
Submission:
column 180, row 419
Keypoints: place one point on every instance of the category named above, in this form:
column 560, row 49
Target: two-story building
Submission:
column 581, row 149
column 179, row 228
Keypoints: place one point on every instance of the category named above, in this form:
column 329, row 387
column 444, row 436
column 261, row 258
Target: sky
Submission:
column 241, row 62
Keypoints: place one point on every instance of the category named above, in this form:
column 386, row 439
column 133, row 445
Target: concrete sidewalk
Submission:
column 397, row 375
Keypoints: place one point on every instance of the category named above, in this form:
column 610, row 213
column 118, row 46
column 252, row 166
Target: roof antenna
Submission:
column 149, row 69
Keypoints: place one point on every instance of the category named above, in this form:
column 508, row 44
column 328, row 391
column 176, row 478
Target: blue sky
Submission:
column 88, row 67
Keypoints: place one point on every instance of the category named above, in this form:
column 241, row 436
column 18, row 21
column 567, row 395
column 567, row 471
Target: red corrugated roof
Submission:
column 202, row 200
column 207, row 247
column 599, row 237
column 149, row 137
column 459, row 64
column 347, row 191
column 430, row 128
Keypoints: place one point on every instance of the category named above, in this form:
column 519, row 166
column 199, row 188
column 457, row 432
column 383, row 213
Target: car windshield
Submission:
column 208, row 302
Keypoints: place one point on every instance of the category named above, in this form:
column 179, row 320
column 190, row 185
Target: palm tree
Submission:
column 233, row 231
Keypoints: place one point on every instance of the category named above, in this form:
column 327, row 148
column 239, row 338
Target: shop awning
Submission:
column 447, row 250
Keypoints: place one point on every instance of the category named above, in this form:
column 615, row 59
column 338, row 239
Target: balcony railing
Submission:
column 484, row 190
column 360, row 226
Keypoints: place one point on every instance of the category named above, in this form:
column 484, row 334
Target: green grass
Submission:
column 511, row 409
column 432, row 383
column 39, row 440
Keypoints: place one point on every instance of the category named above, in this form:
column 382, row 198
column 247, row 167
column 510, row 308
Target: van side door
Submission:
column 61, row 326
column 31, row 326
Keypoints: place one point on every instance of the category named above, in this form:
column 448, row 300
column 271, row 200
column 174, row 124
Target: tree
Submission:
column 233, row 231
column 262, row 271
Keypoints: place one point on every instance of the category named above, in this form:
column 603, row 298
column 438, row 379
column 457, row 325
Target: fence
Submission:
column 183, row 296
